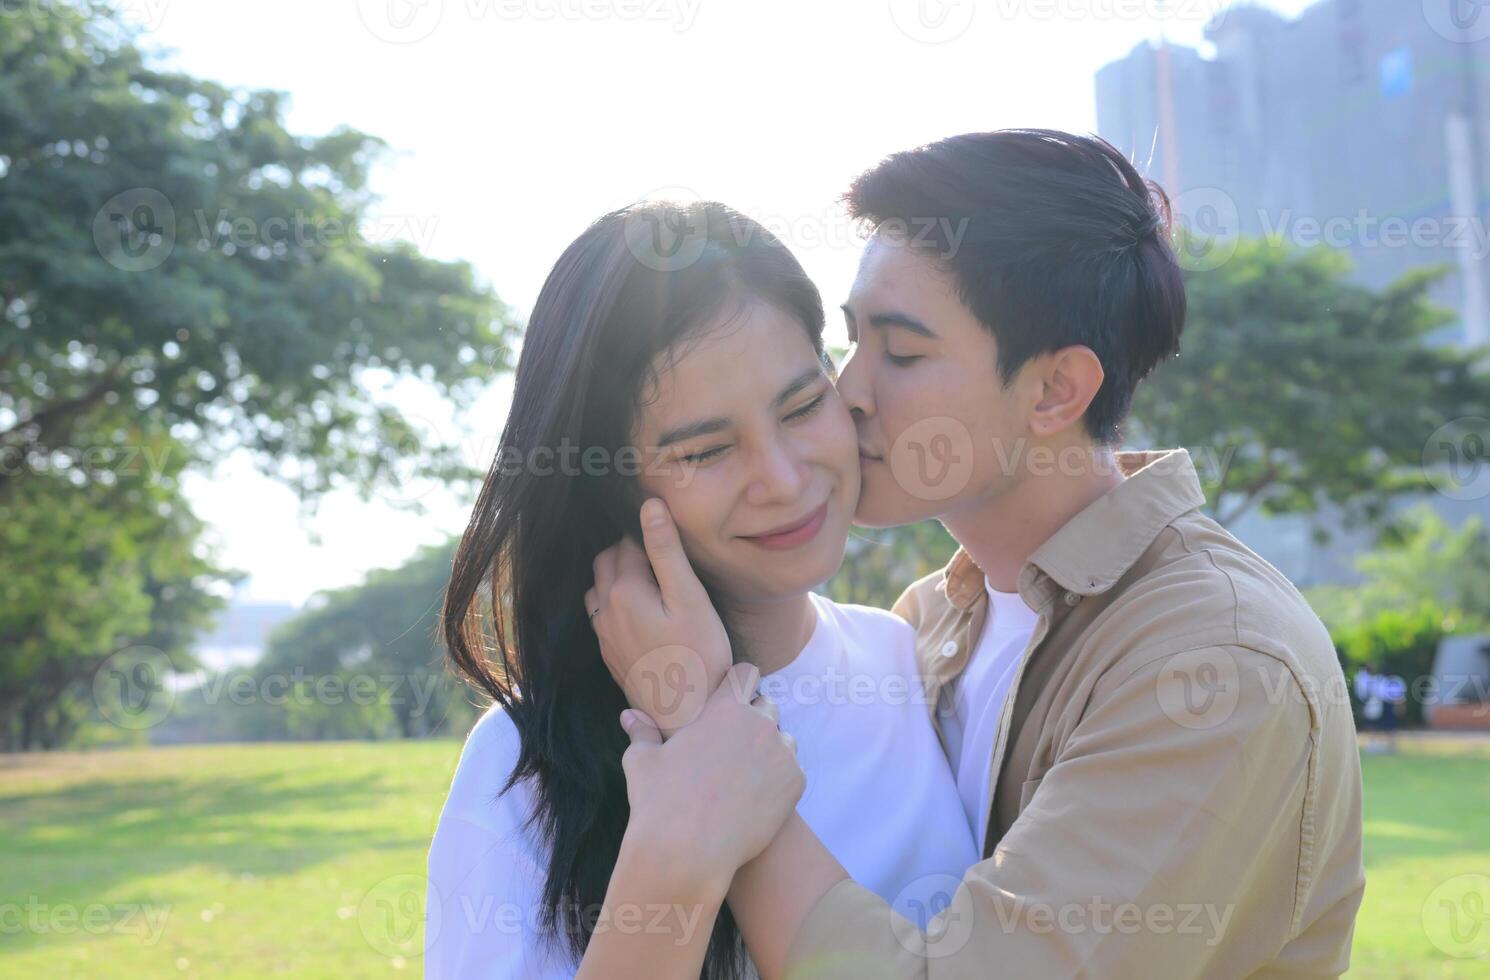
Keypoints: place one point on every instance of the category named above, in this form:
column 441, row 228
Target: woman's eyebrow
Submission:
column 703, row 427
column 801, row 381
column 706, row 427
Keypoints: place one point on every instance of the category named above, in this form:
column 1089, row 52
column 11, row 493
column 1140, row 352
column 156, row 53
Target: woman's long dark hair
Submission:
column 635, row 285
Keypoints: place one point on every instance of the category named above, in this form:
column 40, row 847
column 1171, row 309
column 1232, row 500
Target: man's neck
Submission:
column 1000, row 534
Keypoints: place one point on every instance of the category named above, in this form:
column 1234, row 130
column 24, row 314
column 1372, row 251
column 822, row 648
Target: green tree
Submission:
column 879, row 563
column 100, row 554
column 167, row 246
column 1296, row 386
column 1401, row 641
column 1421, row 563
column 386, row 631
column 181, row 274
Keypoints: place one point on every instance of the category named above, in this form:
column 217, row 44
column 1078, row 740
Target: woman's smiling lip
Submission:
column 793, row 535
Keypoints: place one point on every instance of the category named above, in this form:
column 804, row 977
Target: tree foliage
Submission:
column 180, row 277
column 1295, row 386
column 880, row 562
column 167, row 246
column 386, row 629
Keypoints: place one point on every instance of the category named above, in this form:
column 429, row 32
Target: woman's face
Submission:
column 754, row 454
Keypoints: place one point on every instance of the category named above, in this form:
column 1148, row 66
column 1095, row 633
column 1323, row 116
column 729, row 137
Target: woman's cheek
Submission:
column 693, row 497
column 834, row 437
column 700, row 506
column 672, row 481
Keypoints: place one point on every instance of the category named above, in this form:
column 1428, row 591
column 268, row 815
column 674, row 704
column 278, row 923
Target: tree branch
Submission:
column 55, row 420
column 58, row 415
column 1249, row 495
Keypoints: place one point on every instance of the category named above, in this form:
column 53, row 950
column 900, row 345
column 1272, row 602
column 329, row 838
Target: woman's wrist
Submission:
column 670, row 866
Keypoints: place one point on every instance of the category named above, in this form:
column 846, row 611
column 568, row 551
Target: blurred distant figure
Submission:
column 1381, row 696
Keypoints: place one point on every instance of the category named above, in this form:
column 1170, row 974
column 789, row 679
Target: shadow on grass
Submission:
column 1421, row 806
column 85, row 843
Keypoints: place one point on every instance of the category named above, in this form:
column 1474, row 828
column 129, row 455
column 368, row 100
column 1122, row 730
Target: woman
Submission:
column 673, row 352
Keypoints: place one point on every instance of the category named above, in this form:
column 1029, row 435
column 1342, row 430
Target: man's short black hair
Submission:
column 1052, row 239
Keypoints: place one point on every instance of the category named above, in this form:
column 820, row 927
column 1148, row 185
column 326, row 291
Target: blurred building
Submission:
column 1360, row 124
column 242, row 633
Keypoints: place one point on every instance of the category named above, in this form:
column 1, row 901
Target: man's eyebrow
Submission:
column 706, row 427
column 892, row 319
column 902, row 320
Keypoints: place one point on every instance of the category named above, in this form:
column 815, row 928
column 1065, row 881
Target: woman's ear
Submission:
column 1069, row 379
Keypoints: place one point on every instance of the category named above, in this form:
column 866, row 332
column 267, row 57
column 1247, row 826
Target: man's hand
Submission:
column 714, row 796
column 659, row 634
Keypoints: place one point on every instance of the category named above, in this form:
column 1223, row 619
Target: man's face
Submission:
column 938, row 430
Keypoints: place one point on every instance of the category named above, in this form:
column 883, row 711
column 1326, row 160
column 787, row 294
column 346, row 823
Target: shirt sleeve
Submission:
column 1166, row 840
column 484, row 895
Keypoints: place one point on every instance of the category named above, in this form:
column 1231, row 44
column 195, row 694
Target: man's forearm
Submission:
column 772, row 895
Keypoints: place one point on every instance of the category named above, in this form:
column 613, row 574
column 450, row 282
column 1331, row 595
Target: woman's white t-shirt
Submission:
column 879, row 795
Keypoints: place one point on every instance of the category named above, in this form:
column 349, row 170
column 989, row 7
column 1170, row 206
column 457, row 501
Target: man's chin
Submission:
column 882, row 516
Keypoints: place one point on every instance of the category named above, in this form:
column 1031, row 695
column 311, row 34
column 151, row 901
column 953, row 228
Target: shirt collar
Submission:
column 1097, row 547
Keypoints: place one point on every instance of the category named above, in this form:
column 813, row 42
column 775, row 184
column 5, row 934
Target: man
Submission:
column 1140, row 712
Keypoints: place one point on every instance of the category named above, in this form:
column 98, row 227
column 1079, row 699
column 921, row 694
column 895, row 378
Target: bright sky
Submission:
column 513, row 123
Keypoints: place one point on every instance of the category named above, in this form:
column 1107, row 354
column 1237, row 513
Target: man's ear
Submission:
column 1069, row 379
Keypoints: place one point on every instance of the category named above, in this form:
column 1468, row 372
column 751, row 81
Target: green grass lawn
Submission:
column 304, row 859
column 1427, row 828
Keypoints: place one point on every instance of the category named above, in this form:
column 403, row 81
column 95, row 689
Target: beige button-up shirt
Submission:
column 1177, row 789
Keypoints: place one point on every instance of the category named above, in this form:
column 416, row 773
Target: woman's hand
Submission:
column 659, row 634
column 715, row 794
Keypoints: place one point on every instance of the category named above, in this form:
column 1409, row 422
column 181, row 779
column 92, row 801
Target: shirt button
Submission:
column 1072, row 598
column 949, row 649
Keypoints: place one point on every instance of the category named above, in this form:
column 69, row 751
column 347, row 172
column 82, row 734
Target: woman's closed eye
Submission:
column 807, row 409
column 704, row 455
column 714, row 452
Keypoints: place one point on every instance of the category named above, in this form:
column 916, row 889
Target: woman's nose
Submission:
column 779, row 475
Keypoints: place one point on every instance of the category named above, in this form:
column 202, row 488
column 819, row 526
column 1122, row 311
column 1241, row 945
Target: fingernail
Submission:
column 652, row 513
column 627, row 720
